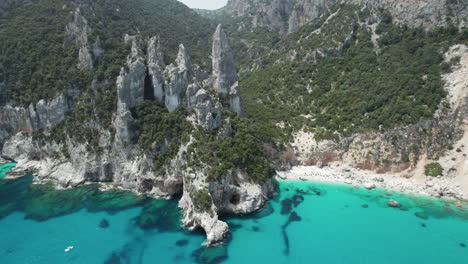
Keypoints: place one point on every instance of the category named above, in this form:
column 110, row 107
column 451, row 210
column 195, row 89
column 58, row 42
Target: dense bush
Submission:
column 361, row 90
column 161, row 131
column 202, row 201
column 223, row 154
column 434, row 169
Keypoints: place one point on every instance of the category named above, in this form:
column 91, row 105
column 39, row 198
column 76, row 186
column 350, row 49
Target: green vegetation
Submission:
column 434, row 169
column 33, row 62
column 161, row 131
column 202, row 201
column 36, row 64
column 223, row 154
column 363, row 89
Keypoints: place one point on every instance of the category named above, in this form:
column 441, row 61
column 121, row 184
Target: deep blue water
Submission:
column 305, row 223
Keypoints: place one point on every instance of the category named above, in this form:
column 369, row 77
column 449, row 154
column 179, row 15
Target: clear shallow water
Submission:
column 305, row 223
column 5, row 168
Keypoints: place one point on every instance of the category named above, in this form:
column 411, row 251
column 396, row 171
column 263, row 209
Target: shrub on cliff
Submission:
column 202, row 200
column 434, row 169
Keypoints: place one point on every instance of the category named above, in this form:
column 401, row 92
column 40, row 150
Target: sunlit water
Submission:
column 305, row 223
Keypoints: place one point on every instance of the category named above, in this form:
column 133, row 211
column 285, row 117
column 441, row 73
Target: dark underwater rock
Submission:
column 286, row 206
column 264, row 212
column 182, row 243
column 104, row 223
column 255, row 228
column 365, row 206
column 210, row 255
column 235, row 227
column 113, row 259
column 423, row 225
column 297, row 200
column 160, row 214
column 294, row 217
column 47, row 202
column 132, row 252
column 421, row 215
column 462, row 245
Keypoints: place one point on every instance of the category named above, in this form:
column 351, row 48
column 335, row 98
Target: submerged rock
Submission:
column 294, row 217
column 421, row 215
column 104, row 223
column 365, row 206
column 182, row 243
column 297, row 199
column 210, row 255
column 161, row 215
column 463, row 245
column 286, row 206
column 394, row 204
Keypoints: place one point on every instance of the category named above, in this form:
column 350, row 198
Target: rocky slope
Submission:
column 288, row 16
column 29, row 135
column 404, row 152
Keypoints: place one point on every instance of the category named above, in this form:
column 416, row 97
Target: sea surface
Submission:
column 305, row 223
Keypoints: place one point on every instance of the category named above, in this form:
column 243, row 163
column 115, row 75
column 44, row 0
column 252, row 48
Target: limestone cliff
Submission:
column 78, row 31
column 120, row 161
column 224, row 72
column 37, row 116
column 288, row 16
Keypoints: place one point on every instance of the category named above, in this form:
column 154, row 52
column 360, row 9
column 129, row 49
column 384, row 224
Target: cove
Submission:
column 306, row 222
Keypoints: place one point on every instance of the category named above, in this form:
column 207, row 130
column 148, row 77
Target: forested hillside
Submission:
column 36, row 60
column 351, row 70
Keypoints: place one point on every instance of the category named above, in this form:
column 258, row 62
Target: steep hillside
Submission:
column 125, row 93
column 150, row 96
column 288, row 16
column 356, row 83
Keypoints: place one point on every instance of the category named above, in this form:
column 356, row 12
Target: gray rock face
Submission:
column 131, row 84
column 178, row 76
column 121, row 161
column 225, row 80
column 224, row 70
column 78, row 31
column 42, row 115
column 156, row 67
column 208, row 111
column 130, row 91
column 288, row 16
column 98, row 51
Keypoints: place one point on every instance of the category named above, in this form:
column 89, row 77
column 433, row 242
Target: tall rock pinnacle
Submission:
column 225, row 80
column 223, row 63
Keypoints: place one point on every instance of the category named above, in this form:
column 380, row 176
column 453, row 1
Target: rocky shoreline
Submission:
column 437, row 187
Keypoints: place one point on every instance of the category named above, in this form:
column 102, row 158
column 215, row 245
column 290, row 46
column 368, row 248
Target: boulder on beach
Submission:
column 393, row 203
column 369, row 186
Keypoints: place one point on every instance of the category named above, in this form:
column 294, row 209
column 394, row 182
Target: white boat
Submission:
column 69, row 248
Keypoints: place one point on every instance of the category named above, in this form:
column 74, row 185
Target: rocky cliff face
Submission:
column 77, row 31
column 288, row 16
column 44, row 114
column 121, row 161
column 224, row 72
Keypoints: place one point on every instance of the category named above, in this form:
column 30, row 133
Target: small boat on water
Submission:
column 69, row 248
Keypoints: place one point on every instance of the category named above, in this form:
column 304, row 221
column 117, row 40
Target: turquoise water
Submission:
column 5, row 168
column 305, row 223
